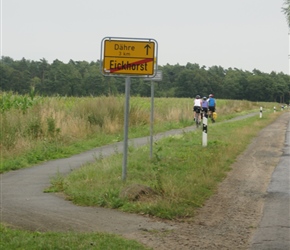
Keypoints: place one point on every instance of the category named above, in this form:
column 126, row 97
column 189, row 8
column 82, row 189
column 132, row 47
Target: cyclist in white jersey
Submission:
column 197, row 106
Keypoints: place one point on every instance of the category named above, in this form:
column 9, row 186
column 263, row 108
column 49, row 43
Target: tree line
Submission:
column 81, row 78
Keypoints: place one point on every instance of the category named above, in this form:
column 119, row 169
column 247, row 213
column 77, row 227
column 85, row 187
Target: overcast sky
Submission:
column 243, row 34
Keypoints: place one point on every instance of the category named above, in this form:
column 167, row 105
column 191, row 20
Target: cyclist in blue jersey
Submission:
column 211, row 106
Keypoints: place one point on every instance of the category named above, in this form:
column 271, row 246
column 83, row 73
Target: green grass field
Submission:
column 44, row 128
column 182, row 173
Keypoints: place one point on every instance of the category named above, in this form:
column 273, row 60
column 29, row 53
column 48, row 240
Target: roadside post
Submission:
column 128, row 57
column 261, row 112
column 157, row 77
column 274, row 109
column 204, row 130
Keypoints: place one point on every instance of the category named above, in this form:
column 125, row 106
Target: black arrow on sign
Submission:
column 147, row 47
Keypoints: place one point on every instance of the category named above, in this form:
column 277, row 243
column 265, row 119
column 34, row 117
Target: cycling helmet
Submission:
column 204, row 98
column 211, row 95
column 197, row 97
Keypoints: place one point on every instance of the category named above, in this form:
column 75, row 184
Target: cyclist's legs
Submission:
column 204, row 112
column 211, row 110
column 198, row 111
column 195, row 111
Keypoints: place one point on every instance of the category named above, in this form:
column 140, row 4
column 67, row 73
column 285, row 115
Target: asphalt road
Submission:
column 274, row 228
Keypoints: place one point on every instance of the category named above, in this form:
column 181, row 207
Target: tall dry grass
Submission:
column 66, row 120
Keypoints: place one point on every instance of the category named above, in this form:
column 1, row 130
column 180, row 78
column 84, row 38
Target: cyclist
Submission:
column 211, row 106
column 204, row 106
column 197, row 107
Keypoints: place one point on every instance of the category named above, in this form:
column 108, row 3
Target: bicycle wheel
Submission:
column 211, row 117
column 197, row 120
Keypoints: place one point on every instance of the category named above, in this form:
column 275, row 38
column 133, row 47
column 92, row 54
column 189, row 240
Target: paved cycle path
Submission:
column 24, row 204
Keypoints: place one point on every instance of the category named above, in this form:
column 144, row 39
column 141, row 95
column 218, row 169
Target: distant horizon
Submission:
column 162, row 65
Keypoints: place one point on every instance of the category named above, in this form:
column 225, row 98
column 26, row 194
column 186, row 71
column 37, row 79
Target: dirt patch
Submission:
column 136, row 192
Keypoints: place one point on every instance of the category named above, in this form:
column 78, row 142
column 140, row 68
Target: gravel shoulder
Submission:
column 228, row 219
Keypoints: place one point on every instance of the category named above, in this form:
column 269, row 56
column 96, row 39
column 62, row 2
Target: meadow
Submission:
column 36, row 129
column 182, row 173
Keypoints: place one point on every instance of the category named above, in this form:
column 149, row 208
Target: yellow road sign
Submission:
column 129, row 57
column 137, row 49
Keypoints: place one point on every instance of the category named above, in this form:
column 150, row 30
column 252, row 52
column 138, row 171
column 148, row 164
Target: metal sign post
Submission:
column 157, row 77
column 126, row 126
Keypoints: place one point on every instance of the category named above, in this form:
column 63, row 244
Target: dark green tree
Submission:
column 216, row 75
column 286, row 11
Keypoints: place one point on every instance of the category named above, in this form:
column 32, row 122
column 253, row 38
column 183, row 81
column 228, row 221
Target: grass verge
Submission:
column 181, row 175
column 19, row 239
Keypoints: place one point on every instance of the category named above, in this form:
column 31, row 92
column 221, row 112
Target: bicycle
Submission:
column 197, row 118
column 204, row 113
column 210, row 115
